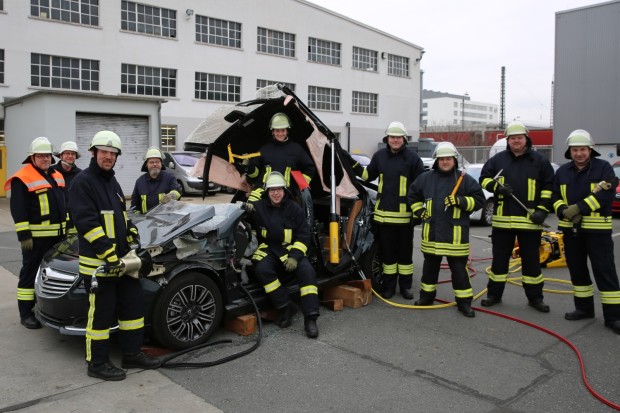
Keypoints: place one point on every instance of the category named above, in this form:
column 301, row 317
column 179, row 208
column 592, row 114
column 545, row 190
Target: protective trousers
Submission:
column 267, row 271
column 117, row 299
column 503, row 244
column 396, row 249
column 30, row 265
column 600, row 249
column 460, row 278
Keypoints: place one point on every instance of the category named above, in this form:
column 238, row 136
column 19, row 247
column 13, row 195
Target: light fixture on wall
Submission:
column 189, row 12
column 382, row 55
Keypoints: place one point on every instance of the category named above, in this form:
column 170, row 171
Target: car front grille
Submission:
column 53, row 284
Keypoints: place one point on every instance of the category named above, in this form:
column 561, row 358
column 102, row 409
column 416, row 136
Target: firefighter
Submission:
column 280, row 155
column 68, row 153
column 527, row 176
column 105, row 233
column 283, row 240
column 396, row 166
column 156, row 186
column 584, row 210
column 445, row 230
column 38, row 210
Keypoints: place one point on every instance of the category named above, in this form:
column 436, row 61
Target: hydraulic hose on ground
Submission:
column 166, row 360
column 513, row 281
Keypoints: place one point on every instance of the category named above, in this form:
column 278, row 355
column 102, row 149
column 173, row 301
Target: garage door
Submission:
column 133, row 131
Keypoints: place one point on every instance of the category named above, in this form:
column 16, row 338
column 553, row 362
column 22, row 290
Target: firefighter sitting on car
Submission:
column 283, row 239
column 38, row 209
column 156, row 186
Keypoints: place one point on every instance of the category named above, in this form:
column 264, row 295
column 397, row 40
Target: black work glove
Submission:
column 538, row 216
column 114, row 267
column 423, row 214
column 248, row 207
column 451, row 200
column 505, row 190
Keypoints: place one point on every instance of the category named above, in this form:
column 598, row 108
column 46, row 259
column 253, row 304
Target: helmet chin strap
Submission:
column 70, row 165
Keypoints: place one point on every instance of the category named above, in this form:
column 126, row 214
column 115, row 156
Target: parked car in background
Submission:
column 179, row 164
column 483, row 216
column 615, row 205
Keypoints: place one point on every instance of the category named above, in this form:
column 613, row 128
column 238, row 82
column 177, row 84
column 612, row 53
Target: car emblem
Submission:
column 44, row 276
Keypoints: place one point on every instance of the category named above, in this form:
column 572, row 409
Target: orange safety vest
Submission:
column 33, row 179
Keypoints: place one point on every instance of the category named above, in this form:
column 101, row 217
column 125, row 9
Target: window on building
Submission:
column 398, row 65
column 261, row 83
column 60, row 72
column 1, row 5
column 142, row 18
column 274, row 42
column 1, row 66
column 364, row 59
column 168, row 137
column 323, row 51
column 222, row 88
column 70, row 11
column 364, row 102
column 323, row 98
column 148, row 81
column 218, row 32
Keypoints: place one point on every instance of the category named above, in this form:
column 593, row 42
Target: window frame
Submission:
column 166, row 137
column 63, row 72
column 1, row 66
column 371, row 106
column 324, row 98
column 83, row 12
column 266, row 83
column 361, row 60
column 153, row 20
column 398, row 65
column 224, row 38
column 325, row 52
column 276, row 43
column 134, row 80
column 204, row 87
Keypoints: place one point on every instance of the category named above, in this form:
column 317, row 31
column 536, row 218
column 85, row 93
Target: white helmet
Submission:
column 275, row 180
column 69, row 146
column 396, row 129
column 106, row 140
column 516, row 128
column 153, row 152
column 39, row 145
column 445, row 149
column 580, row 137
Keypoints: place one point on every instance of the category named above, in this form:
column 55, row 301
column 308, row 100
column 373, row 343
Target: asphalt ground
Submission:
column 377, row 358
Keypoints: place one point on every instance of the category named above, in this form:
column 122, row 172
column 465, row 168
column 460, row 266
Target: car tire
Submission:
column 183, row 191
column 486, row 215
column 372, row 266
column 188, row 311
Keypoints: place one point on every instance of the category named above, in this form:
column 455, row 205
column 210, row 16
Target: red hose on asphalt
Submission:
column 544, row 330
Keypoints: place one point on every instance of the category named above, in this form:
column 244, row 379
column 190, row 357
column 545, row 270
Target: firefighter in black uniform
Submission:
column 38, row 210
column 156, row 186
column 583, row 191
column 283, row 240
column 105, row 234
column 445, row 230
column 68, row 153
column 528, row 176
column 280, row 155
column 396, row 166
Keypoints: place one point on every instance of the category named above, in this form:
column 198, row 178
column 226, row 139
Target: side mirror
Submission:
column 171, row 165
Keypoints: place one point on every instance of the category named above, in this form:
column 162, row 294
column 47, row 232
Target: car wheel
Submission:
column 372, row 267
column 230, row 190
column 486, row 215
column 188, row 311
column 183, row 191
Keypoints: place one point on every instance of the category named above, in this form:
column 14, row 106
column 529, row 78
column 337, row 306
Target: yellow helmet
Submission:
column 153, row 152
column 279, row 121
column 69, row 146
column 516, row 128
column 445, row 149
column 275, row 180
column 580, row 137
column 107, row 141
column 40, row 145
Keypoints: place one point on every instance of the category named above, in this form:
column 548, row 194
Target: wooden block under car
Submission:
column 366, row 287
column 351, row 297
column 334, row 305
column 244, row 325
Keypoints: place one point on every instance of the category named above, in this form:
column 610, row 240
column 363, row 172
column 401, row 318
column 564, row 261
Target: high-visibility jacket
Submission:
column 281, row 157
column 446, row 232
column 573, row 186
column 148, row 191
column 68, row 175
column 531, row 177
column 37, row 202
column 396, row 172
column 100, row 217
column 280, row 230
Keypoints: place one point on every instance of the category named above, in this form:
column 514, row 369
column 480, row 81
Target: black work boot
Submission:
column 388, row 292
column 30, row 322
column 578, row 315
column 407, row 293
column 466, row 309
column 105, row 371
column 139, row 361
column 286, row 316
column 310, row 327
column 424, row 301
column 539, row 305
column 614, row 325
column 490, row 301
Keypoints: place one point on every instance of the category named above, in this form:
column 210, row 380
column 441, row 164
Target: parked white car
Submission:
column 484, row 215
column 180, row 164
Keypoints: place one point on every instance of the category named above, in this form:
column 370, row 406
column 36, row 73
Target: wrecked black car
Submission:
column 200, row 253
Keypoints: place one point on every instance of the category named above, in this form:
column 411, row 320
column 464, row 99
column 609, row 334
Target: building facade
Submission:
column 447, row 110
column 196, row 55
column 587, row 79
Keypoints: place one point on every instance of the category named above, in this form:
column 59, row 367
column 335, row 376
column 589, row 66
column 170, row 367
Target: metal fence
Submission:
column 480, row 154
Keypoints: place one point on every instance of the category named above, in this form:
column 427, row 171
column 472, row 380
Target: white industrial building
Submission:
column 447, row 110
column 192, row 56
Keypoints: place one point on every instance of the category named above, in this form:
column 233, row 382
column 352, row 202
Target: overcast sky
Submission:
column 468, row 41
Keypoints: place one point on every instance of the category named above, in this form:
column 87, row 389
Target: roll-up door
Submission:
column 133, row 131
